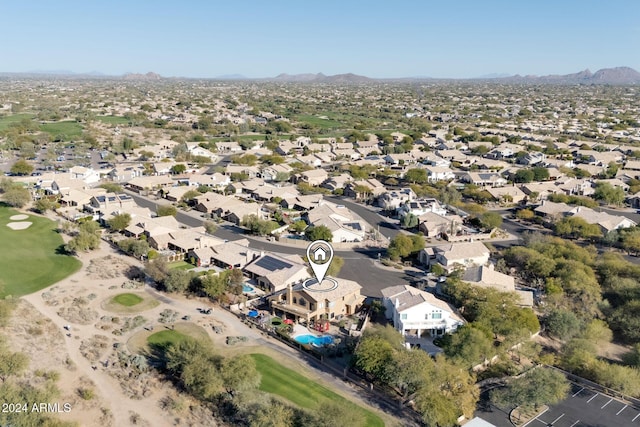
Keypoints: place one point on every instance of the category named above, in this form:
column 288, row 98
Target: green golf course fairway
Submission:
column 29, row 259
column 300, row 390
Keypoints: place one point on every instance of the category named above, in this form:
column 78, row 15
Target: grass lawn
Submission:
column 166, row 338
column 128, row 300
column 181, row 265
column 114, row 120
column 320, row 121
column 69, row 129
column 298, row 389
column 7, row 120
column 30, row 258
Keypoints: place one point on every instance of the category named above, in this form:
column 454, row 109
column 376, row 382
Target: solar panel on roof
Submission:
column 272, row 264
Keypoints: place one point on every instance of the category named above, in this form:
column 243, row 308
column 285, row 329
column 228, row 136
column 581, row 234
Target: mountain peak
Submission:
column 148, row 76
column 321, row 78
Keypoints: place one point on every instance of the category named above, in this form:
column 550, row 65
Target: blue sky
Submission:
column 392, row 38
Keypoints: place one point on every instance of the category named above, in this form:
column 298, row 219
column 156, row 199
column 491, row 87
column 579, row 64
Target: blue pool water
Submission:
column 247, row 288
column 312, row 339
column 253, row 313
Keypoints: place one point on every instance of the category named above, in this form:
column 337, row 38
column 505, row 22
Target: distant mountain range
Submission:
column 148, row 76
column 610, row 76
column 605, row 76
column 321, row 78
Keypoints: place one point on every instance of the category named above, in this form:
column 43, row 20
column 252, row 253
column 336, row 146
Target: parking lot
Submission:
column 587, row 408
column 583, row 408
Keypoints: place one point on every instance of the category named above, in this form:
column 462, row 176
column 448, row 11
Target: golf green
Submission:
column 165, row 338
column 31, row 259
column 128, row 300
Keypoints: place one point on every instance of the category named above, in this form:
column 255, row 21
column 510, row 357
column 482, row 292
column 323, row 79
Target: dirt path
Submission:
column 108, row 388
column 95, row 285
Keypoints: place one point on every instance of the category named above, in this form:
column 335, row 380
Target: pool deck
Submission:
column 303, row 330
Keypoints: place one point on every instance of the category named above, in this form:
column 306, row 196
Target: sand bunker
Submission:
column 18, row 217
column 19, row 225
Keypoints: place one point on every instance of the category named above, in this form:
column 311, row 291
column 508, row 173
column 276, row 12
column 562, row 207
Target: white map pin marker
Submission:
column 320, row 255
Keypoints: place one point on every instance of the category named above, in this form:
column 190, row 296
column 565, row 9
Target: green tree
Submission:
column 273, row 414
column 524, row 176
column 44, row 204
column 195, row 365
column 210, row 226
column 409, row 370
column 598, row 332
column 21, row 167
column 631, row 240
column 538, row 387
column 563, row 323
column 298, row 226
column 86, row 239
column 331, row 413
column 178, row 169
column 282, row 177
column 247, row 159
column 416, row 176
column 239, row 374
column 335, row 266
column 490, row 220
column 166, row 210
column 111, row 187
column 469, row 345
column 258, row 226
column 409, row 221
column 577, row 227
column 119, row 222
column 272, row 159
column 401, row 246
column 134, row 247
column 320, row 232
column 190, row 196
column 450, row 393
column 16, row 196
column 373, row 356
column 525, row 214
column 177, row 280
column 540, row 173
column 609, row 194
column 12, row 364
column 363, row 192
column 157, row 269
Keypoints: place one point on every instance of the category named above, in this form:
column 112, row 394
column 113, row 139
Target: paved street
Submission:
column 388, row 227
column 360, row 264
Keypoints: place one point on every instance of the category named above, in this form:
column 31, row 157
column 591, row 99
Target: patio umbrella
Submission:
column 288, row 321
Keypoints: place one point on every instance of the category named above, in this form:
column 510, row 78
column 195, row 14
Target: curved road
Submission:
column 360, row 264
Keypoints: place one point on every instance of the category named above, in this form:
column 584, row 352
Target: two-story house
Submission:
column 415, row 312
column 312, row 301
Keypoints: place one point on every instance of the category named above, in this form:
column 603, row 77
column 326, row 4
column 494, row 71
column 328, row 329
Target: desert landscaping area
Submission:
column 89, row 330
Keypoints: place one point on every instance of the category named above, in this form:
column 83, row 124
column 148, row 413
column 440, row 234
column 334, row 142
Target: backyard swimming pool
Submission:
column 247, row 289
column 314, row 340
